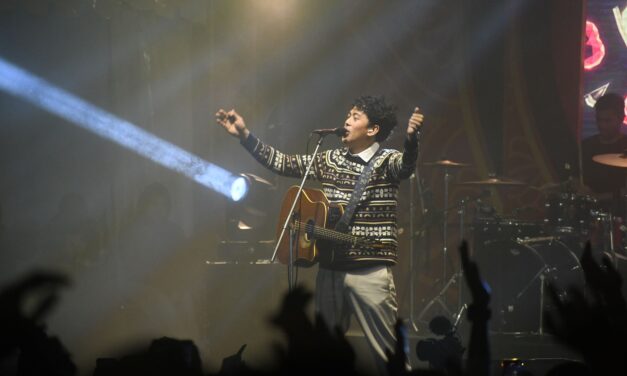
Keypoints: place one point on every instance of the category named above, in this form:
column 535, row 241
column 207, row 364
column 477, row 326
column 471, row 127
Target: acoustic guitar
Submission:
column 313, row 223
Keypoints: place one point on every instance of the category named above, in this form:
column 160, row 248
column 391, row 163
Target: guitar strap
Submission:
column 342, row 224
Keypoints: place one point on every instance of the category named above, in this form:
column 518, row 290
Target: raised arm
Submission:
column 273, row 159
column 233, row 123
column 402, row 164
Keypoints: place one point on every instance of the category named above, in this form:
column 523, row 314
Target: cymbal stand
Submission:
column 447, row 178
column 412, row 235
column 455, row 278
column 611, row 234
column 415, row 185
column 541, row 275
column 459, row 316
column 460, row 272
column 607, row 219
column 541, row 320
column 612, row 219
column 438, row 298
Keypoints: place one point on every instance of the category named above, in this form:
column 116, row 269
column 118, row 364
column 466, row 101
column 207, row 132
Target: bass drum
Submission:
column 514, row 271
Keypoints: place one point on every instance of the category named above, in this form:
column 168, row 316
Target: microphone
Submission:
column 336, row 131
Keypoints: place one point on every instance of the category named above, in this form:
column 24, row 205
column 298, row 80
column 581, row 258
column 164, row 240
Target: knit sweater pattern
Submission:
column 375, row 216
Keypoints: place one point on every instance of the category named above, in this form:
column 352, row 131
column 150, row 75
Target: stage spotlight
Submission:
column 250, row 223
column 42, row 94
column 252, row 218
column 239, row 188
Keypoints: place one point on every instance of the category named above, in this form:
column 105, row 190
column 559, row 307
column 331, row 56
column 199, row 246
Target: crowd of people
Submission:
column 593, row 323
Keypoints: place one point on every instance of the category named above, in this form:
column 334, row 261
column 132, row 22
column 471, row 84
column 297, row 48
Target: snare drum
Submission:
column 514, row 271
column 569, row 213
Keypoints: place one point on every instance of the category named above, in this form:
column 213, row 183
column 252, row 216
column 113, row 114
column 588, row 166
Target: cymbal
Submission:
column 494, row 182
column 445, row 163
column 615, row 159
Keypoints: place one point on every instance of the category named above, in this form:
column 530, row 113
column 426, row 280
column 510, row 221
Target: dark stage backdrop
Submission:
column 499, row 83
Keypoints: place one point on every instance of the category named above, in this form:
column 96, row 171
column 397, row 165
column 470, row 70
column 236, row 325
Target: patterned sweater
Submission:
column 338, row 171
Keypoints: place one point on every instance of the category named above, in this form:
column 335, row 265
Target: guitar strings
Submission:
column 333, row 235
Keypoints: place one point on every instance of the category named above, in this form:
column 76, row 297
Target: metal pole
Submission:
column 412, row 235
column 445, row 223
column 288, row 217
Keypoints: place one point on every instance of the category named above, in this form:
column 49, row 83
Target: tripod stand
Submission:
column 456, row 279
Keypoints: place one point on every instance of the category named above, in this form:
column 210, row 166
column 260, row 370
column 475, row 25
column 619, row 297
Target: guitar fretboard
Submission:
column 328, row 234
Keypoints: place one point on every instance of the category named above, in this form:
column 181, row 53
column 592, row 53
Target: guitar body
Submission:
column 312, row 210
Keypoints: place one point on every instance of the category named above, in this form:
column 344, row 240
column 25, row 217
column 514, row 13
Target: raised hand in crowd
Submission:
column 594, row 324
column 311, row 347
column 478, row 362
column 397, row 360
column 22, row 329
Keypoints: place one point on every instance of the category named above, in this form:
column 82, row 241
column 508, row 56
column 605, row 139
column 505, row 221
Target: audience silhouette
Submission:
column 592, row 322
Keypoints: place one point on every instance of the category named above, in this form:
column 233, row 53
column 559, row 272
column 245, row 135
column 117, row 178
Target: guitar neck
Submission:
column 328, row 234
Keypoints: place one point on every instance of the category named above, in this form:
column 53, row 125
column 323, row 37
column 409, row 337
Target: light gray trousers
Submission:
column 370, row 295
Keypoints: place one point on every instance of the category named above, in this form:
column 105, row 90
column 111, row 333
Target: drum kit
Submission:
column 518, row 257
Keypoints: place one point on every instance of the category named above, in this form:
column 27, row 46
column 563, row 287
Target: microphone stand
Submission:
column 289, row 219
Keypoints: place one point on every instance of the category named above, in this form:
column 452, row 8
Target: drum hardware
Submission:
column 613, row 159
column 459, row 315
column 563, row 186
column 440, row 301
column 446, row 163
column 609, row 228
column 598, row 214
column 456, row 278
column 493, row 181
column 483, row 208
column 496, row 228
column 431, row 217
column 541, row 311
column 541, row 275
column 536, row 239
column 416, row 185
column 569, row 213
column 460, row 306
column 518, row 299
column 448, row 166
column 608, row 222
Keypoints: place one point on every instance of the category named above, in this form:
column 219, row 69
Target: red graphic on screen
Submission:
column 593, row 40
column 625, row 119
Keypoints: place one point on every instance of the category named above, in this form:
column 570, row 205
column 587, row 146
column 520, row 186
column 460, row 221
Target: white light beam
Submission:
column 44, row 95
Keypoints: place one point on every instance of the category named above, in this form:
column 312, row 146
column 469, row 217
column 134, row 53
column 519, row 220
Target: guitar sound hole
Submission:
column 309, row 229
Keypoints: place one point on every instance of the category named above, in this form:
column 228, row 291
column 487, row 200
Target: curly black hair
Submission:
column 379, row 113
column 611, row 102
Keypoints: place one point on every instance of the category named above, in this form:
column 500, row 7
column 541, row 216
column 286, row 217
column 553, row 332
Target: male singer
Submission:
column 353, row 280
